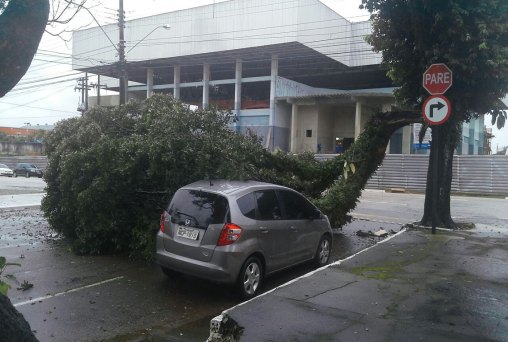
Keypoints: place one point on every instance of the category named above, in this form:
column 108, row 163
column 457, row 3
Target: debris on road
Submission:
column 380, row 233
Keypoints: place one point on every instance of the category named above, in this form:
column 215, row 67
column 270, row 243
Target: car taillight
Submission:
column 163, row 221
column 229, row 234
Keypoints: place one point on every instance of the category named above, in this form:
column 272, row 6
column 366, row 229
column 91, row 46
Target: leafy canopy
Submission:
column 471, row 37
column 112, row 171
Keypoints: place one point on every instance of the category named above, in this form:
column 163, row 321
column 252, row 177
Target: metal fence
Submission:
column 486, row 175
column 472, row 174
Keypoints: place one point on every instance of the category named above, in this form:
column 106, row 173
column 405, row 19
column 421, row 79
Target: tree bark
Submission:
column 367, row 154
column 13, row 326
column 449, row 134
column 22, row 25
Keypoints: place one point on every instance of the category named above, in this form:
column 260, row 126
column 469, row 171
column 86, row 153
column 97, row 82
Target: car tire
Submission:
column 250, row 278
column 323, row 251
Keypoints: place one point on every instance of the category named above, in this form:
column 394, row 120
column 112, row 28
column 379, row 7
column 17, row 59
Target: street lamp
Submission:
column 166, row 27
column 122, row 67
column 122, row 62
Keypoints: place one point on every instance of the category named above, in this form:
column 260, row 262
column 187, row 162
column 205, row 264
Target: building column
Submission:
column 206, row 85
column 149, row 82
column 238, row 90
column 294, row 129
column 176, row 81
column 358, row 118
column 270, row 142
column 406, row 139
column 386, row 107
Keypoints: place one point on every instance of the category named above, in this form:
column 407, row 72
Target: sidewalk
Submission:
column 416, row 286
column 20, row 201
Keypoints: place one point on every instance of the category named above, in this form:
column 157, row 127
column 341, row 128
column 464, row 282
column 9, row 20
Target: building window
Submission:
column 308, row 133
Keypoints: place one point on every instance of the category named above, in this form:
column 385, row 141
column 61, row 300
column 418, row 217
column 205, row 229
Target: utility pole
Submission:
column 122, row 68
column 83, row 87
column 98, row 86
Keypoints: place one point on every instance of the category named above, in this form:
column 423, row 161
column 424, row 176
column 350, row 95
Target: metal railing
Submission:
column 472, row 174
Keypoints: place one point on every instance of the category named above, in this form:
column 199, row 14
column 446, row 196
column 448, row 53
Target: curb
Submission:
column 223, row 328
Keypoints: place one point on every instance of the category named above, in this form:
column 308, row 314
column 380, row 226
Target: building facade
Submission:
column 295, row 72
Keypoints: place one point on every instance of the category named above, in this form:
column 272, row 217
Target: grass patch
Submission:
column 377, row 272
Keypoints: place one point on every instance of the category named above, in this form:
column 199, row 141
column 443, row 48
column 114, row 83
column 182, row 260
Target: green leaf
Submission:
column 4, row 288
column 353, row 168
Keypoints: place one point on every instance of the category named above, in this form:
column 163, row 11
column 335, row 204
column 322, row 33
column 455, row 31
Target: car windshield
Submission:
column 3, row 166
column 198, row 208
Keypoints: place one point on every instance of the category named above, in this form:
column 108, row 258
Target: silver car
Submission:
column 239, row 232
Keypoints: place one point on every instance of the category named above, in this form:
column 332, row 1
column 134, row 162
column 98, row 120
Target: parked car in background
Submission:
column 5, row 171
column 27, row 170
column 240, row 232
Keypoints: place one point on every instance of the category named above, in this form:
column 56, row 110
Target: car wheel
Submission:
column 250, row 278
column 323, row 251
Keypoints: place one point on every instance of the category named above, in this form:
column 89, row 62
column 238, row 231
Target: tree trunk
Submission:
column 366, row 154
column 22, row 25
column 13, row 326
column 449, row 133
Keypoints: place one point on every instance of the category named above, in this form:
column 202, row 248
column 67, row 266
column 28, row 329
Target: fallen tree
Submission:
column 112, row 171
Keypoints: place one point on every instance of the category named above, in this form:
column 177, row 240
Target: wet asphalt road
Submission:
column 94, row 298
column 109, row 298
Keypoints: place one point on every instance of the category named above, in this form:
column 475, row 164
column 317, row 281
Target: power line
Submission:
column 285, row 34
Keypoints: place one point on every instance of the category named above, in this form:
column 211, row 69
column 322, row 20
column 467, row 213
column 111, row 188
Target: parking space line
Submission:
column 35, row 300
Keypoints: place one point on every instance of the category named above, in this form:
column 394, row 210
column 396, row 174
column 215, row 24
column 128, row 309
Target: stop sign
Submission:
column 437, row 79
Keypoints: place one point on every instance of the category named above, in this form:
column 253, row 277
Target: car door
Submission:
column 272, row 233
column 304, row 230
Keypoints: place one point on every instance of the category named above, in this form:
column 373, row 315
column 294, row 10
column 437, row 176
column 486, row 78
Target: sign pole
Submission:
column 436, row 110
column 435, row 188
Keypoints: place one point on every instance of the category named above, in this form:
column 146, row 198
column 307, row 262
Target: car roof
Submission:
column 230, row 187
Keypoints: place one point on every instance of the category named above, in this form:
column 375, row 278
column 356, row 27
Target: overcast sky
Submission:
column 46, row 93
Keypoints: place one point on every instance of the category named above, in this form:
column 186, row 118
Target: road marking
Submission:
column 381, row 202
column 35, row 300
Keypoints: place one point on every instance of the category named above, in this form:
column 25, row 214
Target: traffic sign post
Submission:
column 436, row 109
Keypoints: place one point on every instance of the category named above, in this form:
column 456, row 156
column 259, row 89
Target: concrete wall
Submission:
column 361, row 52
column 23, row 149
column 225, row 26
column 307, row 120
column 344, row 126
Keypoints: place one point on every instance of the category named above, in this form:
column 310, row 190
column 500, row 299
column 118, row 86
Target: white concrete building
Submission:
column 294, row 71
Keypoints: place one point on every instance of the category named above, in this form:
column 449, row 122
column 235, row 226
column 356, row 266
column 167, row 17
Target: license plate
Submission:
column 187, row 233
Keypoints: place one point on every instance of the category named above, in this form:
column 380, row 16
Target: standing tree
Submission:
column 22, row 24
column 471, row 37
column 18, row 39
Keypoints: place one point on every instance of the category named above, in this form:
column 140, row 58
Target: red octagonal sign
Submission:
column 437, row 79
